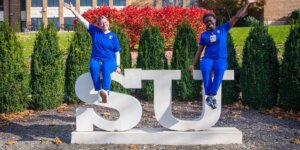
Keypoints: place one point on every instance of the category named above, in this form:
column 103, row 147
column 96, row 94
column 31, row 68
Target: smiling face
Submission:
column 103, row 23
column 210, row 22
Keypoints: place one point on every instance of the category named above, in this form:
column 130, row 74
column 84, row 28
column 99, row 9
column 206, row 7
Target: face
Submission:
column 210, row 22
column 103, row 24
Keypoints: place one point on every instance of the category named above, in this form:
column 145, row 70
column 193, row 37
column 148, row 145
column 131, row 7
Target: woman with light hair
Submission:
column 105, row 55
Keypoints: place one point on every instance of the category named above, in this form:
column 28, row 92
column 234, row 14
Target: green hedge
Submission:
column 184, row 48
column 78, row 61
column 13, row 83
column 151, row 57
column 47, row 70
column 260, row 69
column 231, row 89
column 290, row 71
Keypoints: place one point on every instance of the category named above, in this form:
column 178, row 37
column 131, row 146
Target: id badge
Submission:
column 213, row 38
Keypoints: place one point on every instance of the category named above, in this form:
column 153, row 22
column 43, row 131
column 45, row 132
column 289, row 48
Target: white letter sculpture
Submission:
column 130, row 111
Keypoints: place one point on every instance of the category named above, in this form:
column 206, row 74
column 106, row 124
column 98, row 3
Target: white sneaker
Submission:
column 94, row 92
column 104, row 95
column 99, row 98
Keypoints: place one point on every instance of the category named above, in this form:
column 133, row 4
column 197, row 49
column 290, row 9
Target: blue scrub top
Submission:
column 215, row 42
column 104, row 45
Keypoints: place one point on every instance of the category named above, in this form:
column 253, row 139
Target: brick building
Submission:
column 278, row 11
column 31, row 13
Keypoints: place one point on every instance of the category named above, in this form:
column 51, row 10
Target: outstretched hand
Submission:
column 68, row 6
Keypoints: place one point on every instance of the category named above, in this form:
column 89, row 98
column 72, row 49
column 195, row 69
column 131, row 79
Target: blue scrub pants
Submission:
column 212, row 83
column 106, row 68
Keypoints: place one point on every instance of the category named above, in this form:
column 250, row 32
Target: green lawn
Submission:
column 27, row 41
column 239, row 34
column 279, row 34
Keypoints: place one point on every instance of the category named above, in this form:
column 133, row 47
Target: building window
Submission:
column 119, row 2
column 102, row 2
column 69, row 23
column 23, row 5
column 85, row 2
column 72, row 1
column 37, row 3
column 173, row 3
column 35, row 23
column 55, row 21
column 53, row 3
column 1, row 5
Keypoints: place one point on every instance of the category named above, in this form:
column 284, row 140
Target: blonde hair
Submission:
column 102, row 17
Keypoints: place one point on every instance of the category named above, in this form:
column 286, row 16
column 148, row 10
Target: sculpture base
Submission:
column 161, row 136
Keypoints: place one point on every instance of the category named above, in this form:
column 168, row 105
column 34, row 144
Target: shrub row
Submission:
column 259, row 82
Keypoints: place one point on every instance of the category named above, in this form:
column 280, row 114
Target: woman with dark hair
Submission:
column 214, row 40
column 105, row 55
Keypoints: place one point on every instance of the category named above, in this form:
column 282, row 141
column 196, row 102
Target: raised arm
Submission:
column 77, row 15
column 241, row 12
column 196, row 58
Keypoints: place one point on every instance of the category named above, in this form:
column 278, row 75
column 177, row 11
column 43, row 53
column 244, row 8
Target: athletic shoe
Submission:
column 104, row 95
column 209, row 102
column 214, row 102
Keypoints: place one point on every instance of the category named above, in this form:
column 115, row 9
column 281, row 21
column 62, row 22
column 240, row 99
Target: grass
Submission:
column 279, row 34
column 27, row 41
column 239, row 35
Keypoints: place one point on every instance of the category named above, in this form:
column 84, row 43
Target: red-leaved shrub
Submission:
column 133, row 20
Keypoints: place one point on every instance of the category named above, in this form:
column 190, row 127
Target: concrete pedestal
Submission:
column 161, row 136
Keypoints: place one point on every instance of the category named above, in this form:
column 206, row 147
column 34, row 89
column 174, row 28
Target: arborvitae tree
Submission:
column 184, row 50
column 290, row 73
column 13, row 88
column 77, row 61
column 231, row 89
column 47, row 70
column 151, row 56
column 260, row 69
column 124, row 54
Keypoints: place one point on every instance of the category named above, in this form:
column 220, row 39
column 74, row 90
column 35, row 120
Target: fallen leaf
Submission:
column 133, row 147
column 106, row 114
column 62, row 108
column 10, row 142
column 57, row 141
column 296, row 141
column 280, row 117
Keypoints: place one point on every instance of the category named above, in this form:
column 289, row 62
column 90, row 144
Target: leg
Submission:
column 206, row 66
column 219, row 66
column 95, row 67
column 107, row 69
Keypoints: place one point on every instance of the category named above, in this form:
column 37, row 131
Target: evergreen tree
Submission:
column 184, row 49
column 260, row 69
column 231, row 89
column 77, row 61
column 151, row 57
column 13, row 87
column 125, row 56
column 47, row 70
column 290, row 71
